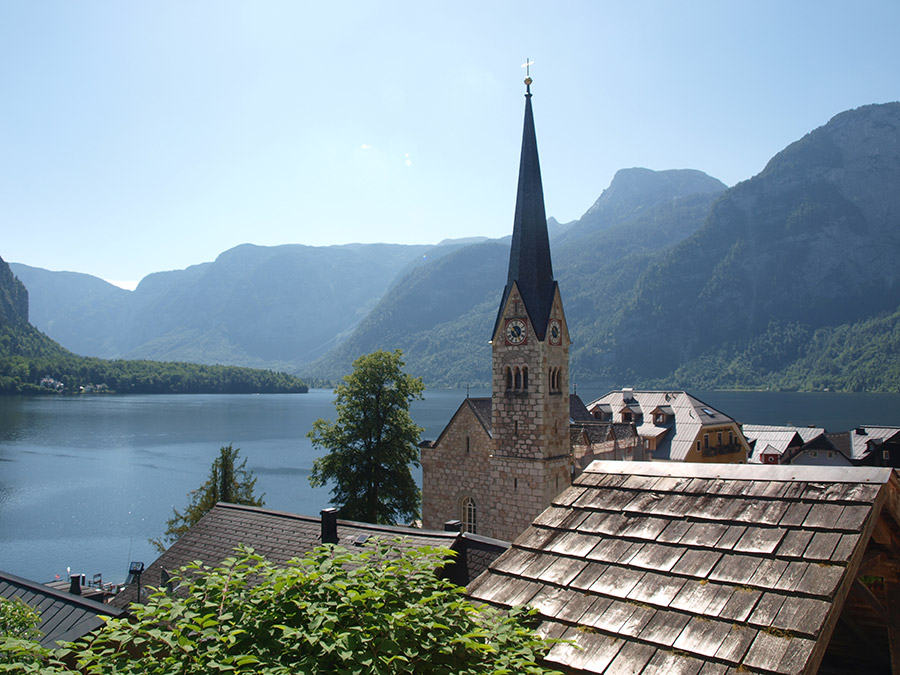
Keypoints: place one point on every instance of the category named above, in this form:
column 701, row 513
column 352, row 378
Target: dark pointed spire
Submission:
column 529, row 256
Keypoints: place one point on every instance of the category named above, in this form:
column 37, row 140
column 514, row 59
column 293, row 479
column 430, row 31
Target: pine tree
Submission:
column 228, row 482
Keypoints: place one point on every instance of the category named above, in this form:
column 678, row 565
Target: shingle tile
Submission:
column 703, row 636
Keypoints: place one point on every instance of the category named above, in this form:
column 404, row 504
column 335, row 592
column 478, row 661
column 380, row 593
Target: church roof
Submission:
column 529, row 256
column 651, row 567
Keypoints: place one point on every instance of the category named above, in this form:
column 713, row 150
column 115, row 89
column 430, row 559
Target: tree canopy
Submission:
column 228, row 481
column 378, row 610
column 372, row 443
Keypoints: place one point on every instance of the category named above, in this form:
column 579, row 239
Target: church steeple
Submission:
column 529, row 258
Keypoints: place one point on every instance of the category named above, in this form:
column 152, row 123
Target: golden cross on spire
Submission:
column 527, row 66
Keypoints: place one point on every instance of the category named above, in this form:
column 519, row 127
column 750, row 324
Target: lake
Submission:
column 86, row 480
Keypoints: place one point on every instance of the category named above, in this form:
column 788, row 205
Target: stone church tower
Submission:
column 530, row 350
column 500, row 461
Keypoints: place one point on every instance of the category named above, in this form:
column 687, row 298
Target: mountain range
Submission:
column 785, row 280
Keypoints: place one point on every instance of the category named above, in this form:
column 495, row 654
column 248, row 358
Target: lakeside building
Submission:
column 673, row 425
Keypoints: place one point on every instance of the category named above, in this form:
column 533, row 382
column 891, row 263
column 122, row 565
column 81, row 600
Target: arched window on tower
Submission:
column 518, row 378
column 509, row 378
column 525, row 378
column 468, row 514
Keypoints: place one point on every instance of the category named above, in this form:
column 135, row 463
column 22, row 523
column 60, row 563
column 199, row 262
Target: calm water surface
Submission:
column 85, row 481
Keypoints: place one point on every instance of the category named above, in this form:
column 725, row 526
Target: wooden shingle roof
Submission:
column 680, row 568
column 280, row 536
column 64, row 617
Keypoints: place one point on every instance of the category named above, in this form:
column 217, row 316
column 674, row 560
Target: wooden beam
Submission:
column 840, row 596
column 893, row 624
column 886, row 533
column 892, row 500
column 860, row 590
column 878, row 564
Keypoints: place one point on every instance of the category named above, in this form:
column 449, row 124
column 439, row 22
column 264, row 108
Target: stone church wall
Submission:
column 454, row 469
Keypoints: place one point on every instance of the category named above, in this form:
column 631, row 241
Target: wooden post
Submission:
column 892, row 593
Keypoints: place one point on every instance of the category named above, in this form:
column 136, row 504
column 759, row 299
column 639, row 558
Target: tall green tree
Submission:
column 372, row 443
column 229, row 481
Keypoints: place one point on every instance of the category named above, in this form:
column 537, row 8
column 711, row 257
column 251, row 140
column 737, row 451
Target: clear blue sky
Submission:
column 143, row 136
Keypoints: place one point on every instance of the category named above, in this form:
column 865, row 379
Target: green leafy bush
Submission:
column 374, row 610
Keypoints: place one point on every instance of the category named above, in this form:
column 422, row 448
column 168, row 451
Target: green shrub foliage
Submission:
column 375, row 610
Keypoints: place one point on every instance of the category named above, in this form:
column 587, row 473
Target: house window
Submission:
column 705, row 441
column 719, row 439
column 626, row 416
column 813, row 453
column 886, row 454
column 698, row 446
column 468, row 515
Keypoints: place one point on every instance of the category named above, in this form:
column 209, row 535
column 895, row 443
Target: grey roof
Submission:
column 691, row 414
column 279, row 536
column 482, row 409
column 578, row 412
column 601, row 432
column 861, row 443
column 529, row 256
column 778, row 438
column 686, row 568
column 64, row 617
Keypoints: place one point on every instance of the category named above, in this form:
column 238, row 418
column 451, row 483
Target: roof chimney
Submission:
column 627, row 394
column 329, row 526
column 75, row 584
column 453, row 526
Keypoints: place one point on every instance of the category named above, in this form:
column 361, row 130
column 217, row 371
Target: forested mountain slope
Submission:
column 32, row 363
column 803, row 252
column 441, row 313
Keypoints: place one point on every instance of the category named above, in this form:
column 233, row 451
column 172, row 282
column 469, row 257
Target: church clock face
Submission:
column 555, row 332
column 516, row 331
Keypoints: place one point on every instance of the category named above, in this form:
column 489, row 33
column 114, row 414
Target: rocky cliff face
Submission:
column 13, row 298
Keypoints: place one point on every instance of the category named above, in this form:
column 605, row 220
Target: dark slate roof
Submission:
column 64, row 617
column 278, row 536
column 482, row 409
column 601, row 432
column 694, row 568
column 578, row 412
column 529, row 256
